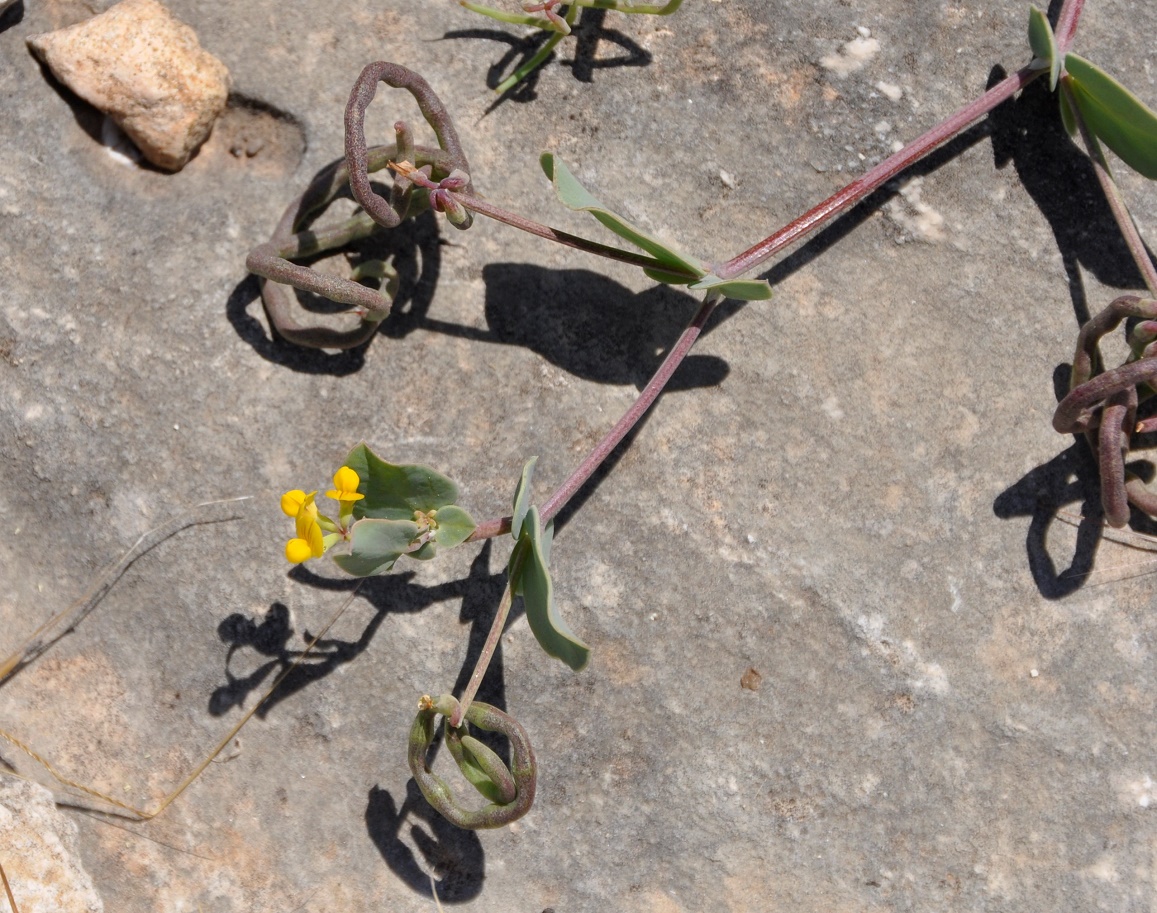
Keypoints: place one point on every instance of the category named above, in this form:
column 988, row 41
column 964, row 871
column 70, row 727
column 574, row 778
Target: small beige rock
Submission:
column 39, row 853
column 147, row 71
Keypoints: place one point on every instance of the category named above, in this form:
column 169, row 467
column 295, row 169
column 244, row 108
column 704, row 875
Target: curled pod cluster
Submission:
column 510, row 790
column 1102, row 403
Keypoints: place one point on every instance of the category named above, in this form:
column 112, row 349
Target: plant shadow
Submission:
column 452, row 855
column 1058, row 176
column 1028, row 133
column 1071, row 477
column 589, row 33
column 591, row 326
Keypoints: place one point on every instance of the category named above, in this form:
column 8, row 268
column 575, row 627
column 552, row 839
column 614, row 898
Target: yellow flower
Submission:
column 293, row 501
column 345, row 483
column 297, row 551
column 309, row 542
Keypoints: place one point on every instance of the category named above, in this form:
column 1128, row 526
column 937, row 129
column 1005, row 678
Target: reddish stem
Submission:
column 881, row 174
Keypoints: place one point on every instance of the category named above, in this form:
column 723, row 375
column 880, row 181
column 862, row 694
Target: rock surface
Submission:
column 38, row 849
column 147, row 70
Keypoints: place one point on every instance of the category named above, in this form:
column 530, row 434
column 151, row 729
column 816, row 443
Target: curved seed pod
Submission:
column 272, row 261
column 1117, row 420
column 1076, row 411
column 522, row 773
column 481, row 766
column 1087, row 359
column 384, row 211
column 1103, row 404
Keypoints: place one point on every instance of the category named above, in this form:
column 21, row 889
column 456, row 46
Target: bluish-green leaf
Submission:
column 551, row 632
column 667, row 278
column 739, row 289
column 454, row 526
column 1067, row 117
column 522, row 498
column 394, row 492
column 427, row 551
column 1044, row 44
column 375, row 545
column 1115, row 115
column 575, row 196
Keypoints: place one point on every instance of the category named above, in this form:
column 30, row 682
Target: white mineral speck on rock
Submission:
column 851, row 57
column 889, row 90
column 40, row 853
column 147, row 71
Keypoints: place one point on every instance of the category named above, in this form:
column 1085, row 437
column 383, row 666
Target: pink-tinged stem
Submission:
column 474, row 204
column 1067, row 23
column 499, row 525
column 488, row 648
column 881, row 174
column 648, row 396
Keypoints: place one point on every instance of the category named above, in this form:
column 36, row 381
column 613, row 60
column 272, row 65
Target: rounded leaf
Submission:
column 454, row 526
column 375, row 545
column 1044, row 44
column 394, row 492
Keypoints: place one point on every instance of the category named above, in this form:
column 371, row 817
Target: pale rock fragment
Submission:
column 38, row 846
column 853, row 56
column 146, row 70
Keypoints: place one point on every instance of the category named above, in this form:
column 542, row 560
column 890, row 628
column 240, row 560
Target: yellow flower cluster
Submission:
column 310, row 541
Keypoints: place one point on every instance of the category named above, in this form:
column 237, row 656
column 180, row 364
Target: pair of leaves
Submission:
column 530, row 578
column 677, row 268
column 385, row 528
column 1111, row 112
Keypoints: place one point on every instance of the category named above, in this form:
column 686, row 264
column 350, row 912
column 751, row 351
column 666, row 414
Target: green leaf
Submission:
column 1115, row 115
column 551, row 632
column 1044, row 44
column 1068, row 118
column 426, row 552
column 574, row 196
column 739, row 289
column 395, row 492
column 454, row 526
column 375, row 545
column 522, row 498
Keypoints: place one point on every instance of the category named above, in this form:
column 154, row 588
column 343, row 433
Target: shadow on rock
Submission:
column 1059, row 177
column 1071, row 477
column 395, row 593
column 453, row 855
column 14, row 15
column 590, row 326
column 588, row 34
